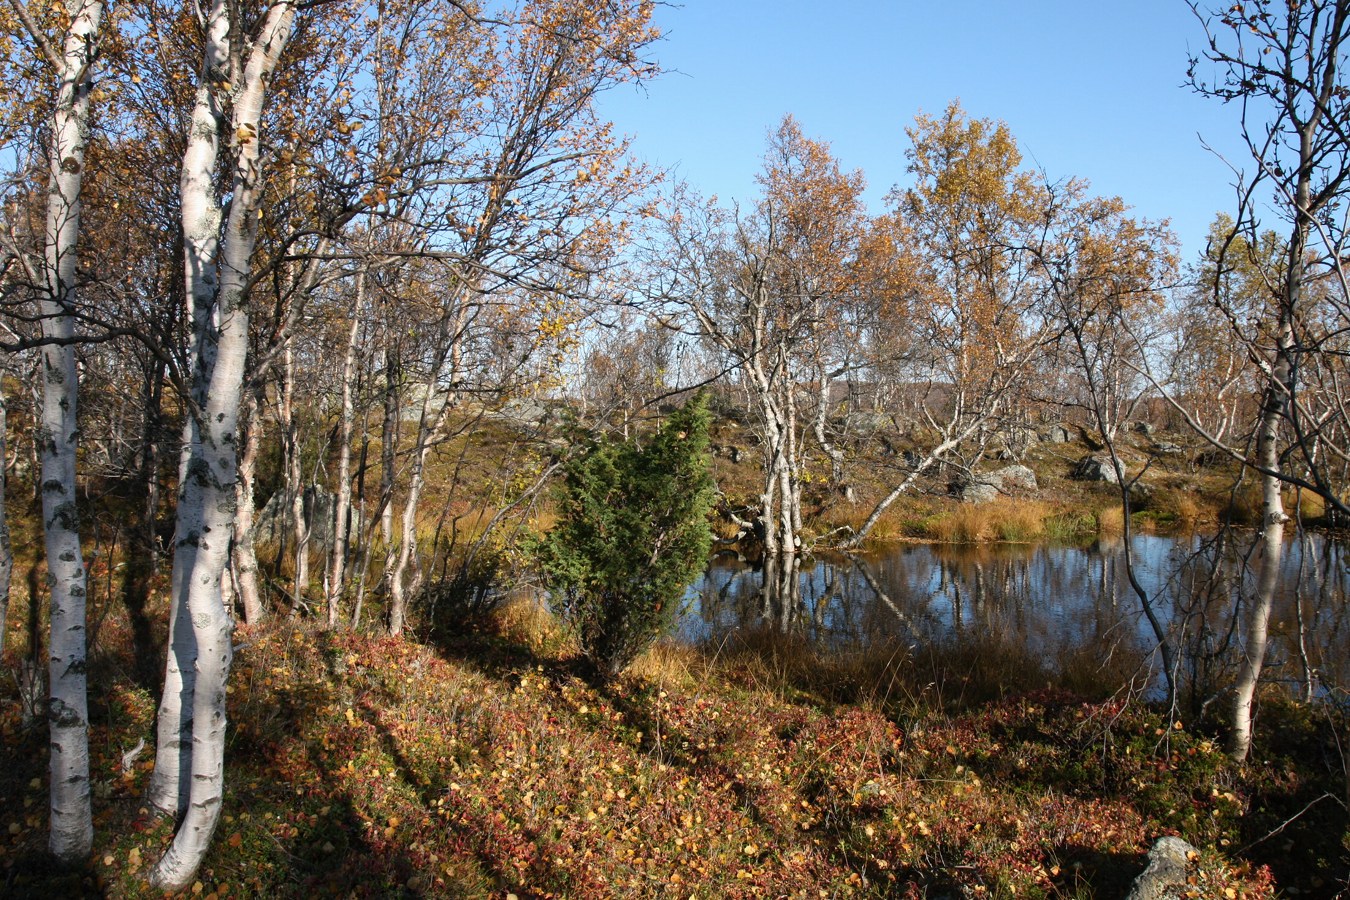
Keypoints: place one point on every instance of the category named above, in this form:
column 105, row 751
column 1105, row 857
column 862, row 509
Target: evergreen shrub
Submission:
column 632, row 534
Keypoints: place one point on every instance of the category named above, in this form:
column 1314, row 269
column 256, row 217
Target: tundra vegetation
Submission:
column 366, row 413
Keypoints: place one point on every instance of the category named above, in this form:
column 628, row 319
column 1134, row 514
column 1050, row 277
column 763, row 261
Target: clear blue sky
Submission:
column 1091, row 89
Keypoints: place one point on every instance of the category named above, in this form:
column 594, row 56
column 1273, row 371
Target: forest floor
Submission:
column 489, row 766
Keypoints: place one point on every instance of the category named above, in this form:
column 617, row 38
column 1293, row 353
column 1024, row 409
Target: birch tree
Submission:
column 1106, row 273
column 962, row 331
column 71, row 63
column 1283, row 65
column 1210, row 374
column 528, row 219
column 768, row 289
column 237, row 66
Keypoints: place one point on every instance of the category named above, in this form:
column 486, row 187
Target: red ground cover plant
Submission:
column 374, row 767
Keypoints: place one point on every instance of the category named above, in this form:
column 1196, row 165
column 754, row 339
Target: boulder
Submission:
column 1019, row 477
column 1210, row 459
column 1143, row 428
column 991, row 485
column 868, row 420
column 1166, row 872
column 275, row 522
column 978, row 492
column 1056, row 434
column 1095, row 468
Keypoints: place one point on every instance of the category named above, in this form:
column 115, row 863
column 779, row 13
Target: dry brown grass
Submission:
column 527, row 621
column 1010, row 521
column 1111, row 521
column 900, row 678
column 667, row 662
column 1181, row 505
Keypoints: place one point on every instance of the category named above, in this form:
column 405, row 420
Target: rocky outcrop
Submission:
column 1166, row 872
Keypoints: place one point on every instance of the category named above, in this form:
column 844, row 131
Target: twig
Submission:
column 1289, row 821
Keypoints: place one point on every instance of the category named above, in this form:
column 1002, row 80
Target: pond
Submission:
column 1051, row 601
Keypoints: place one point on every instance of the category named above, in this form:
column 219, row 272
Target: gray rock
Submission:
column 1167, row 448
column 320, row 509
column 1017, row 477
column 525, row 410
column 978, row 492
column 1143, row 428
column 1210, row 459
column 1095, row 468
column 1057, row 434
column 991, row 485
column 1167, row 864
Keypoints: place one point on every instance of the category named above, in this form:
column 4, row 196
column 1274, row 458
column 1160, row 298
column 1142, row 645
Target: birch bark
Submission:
column 71, row 832
column 342, row 507
column 245, row 558
column 200, row 214
column 207, row 498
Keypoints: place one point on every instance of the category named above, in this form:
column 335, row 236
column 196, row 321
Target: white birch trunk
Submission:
column 389, row 445
column 793, row 461
column 295, row 478
column 1279, row 392
column 835, row 454
column 406, row 578
column 207, row 498
column 1258, row 618
column 245, row 559
column 72, row 832
column 1273, row 519
column 200, row 212
column 407, row 575
column 342, row 507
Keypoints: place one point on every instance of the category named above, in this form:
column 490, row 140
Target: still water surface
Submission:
column 1052, row 600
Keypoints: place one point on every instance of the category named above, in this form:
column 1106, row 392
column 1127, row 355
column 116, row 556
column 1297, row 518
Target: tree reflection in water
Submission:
column 1053, row 602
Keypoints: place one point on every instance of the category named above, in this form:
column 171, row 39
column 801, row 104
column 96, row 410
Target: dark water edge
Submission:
column 1054, row 602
